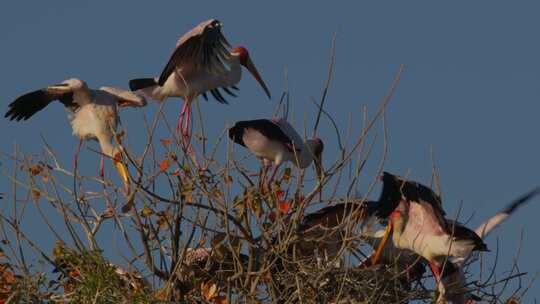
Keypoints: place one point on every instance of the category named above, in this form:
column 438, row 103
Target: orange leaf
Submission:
column 176, row 172
column 284, row 207
column 74, row 274
column 280, row 195
column 164, row 165
column 45, row 179
column 165, row 142
column 189, row 199
column 228, row 180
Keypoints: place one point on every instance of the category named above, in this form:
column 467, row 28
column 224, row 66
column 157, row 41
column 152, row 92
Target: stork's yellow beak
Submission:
column 377, row 256
column 122, row 171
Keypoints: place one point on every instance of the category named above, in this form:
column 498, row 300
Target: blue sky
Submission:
column 471, row 88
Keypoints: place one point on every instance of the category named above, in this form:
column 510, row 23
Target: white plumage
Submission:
column 200, row 63
column 93, row 113
column 276, row 141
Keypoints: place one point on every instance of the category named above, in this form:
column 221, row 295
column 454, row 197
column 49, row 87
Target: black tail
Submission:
column 141, row 83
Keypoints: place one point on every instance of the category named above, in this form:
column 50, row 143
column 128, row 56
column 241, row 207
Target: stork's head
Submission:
column 316, row 146
column 68, row 85
column 245, row 60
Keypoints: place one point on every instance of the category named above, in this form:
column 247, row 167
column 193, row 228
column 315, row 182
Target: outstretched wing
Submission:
column 203, row 47
column 29, row 104
column 125, row 98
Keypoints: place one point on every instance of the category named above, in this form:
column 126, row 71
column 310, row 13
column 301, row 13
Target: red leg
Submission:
column 436, row 271
column 101, row 167
column 76, row 156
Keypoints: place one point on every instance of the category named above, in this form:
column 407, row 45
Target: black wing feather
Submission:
column 461, row 232
column 267, row 128
column 217, row 95
column 394, row 187
column 29, row 104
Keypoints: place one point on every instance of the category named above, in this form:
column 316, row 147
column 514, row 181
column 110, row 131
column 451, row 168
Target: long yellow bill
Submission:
column 379, row 250
column 122, row 171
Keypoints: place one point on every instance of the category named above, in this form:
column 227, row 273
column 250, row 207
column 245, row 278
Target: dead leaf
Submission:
column 45, row 179
column 220, row 300
column 228, row 180
column 512, row 301
column 217, row 193
column 209, row 290
column 35, row 169
column 175, row 172
column 188, row 198
column 36, row 195
column 127, row 207
column 165, row 142
column 164, row 165
column 287, row 175
column 147, row 212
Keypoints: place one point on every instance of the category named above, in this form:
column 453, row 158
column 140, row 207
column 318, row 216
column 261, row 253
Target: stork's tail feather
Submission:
column 520, row 201
column 141, row 83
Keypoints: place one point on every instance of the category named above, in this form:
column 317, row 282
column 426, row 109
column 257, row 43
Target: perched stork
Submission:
column 94, row 113
column 418, row 224
column 200, row 63
column 275, row 140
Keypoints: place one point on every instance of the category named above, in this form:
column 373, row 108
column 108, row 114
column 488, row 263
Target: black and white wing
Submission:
column 266, row 127
column 202, row 47
column 29, row 104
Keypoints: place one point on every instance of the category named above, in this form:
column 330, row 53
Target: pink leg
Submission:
column 76, row 156
column 187, row 124
column 276, row 168
column 101, row 167
column 181, row 117
column 436, row 271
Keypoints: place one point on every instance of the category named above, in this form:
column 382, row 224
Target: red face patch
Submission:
column 242, row 54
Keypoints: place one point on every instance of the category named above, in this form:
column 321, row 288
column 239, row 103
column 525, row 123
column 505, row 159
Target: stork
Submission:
column 275, row 140
column 94, row 113
column 200, row 63
column 417, row 223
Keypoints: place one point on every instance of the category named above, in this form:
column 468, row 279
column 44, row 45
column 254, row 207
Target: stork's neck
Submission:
column 106, row 145
column 306, row 154
column 82, row 96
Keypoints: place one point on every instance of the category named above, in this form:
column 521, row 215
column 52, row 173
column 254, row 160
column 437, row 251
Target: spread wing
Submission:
column 202, row 47
column 29, row 104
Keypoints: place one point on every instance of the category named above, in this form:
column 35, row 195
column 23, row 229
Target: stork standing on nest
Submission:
column 93, row 113
column 199, row 64
column 276, row 141
column 417, row 223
